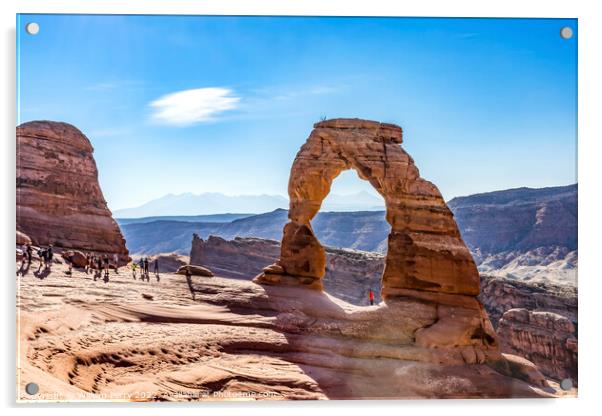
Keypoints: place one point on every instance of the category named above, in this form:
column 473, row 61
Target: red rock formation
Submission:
column 500, row 294
column 59, row 200
column 76, row 257
column 425, row 250
column 535, row 320
column 545, row 338
column 241, row 258
column 427, row 260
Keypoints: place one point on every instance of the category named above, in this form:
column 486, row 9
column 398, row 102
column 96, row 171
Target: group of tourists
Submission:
column 143, row 264
column 96, row 264
column 45, row 256
column 99, row 265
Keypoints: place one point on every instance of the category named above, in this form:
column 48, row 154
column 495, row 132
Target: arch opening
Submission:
column 352, row 228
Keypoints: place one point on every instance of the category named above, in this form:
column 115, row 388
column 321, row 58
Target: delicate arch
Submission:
column 426, row 251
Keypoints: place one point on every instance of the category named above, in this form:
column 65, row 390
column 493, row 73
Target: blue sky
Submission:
column 177, row 104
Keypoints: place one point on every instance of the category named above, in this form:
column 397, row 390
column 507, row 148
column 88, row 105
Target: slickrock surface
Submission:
column 425, row 250
column 59, row 200
column 349, row 273
column 133, row 340
column 537, row 321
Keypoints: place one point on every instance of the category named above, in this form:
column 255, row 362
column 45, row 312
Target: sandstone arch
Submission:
column 426, row 252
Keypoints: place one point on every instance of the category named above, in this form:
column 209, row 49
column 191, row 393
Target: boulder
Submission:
column 76, row 257
column 195, row 270
column 22, row 238
column 169, row 263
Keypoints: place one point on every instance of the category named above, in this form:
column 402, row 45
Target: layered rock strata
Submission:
column 545, row 338
column 59, row 200
column 537, row 321
column 500, row 294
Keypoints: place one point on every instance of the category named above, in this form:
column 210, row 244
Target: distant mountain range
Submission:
column 186, row 218
column 364, row 230
column 189, row 204
column 524, row 233
column 518, row 219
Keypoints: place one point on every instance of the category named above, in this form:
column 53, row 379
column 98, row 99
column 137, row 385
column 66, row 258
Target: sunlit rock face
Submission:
column 59, row 200
column 427, row 261
column 425, row 249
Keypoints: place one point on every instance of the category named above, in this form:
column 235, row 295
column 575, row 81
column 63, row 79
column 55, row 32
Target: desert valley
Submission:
column 473, row 297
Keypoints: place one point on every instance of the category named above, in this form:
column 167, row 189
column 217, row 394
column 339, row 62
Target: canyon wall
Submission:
column 537, row 321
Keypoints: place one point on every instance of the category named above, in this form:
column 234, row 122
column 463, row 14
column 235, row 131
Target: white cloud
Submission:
column 193, row 106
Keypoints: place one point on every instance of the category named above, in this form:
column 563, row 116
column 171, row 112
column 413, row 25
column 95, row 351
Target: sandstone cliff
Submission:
column 537, row 321
column 502, row 294
column 547, row 339
column 59, row 200
column 349, row 273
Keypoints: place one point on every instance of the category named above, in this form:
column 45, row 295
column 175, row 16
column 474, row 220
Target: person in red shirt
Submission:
column 371, row 296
